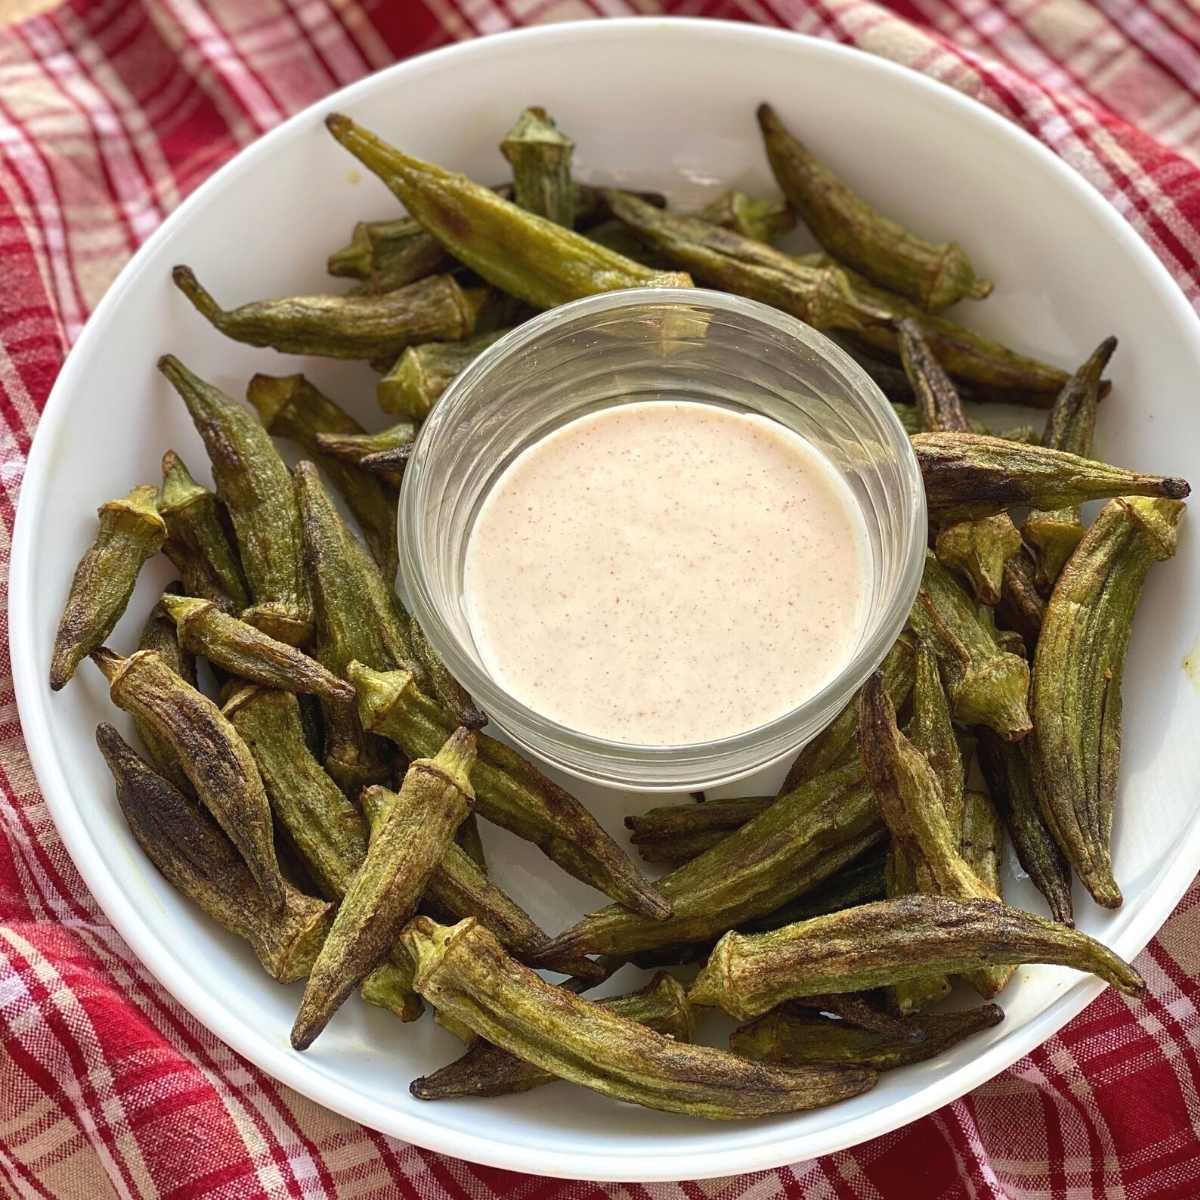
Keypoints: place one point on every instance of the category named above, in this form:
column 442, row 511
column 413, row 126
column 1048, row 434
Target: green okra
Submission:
column 510, row 790
column 354, row 620
column 837, row 743
column 1055, row 533
column 986, row 684
column 979, row 550
column 200, row 539
column 444, row 687
column 216, row 761
column 239, row 648
column 616, row 235
column 862, row 1010
column 421, row 374
column 469, row 839
column 1009, row 775
column 517, row 251
column 919, row 788
column 291, row 407
column 387, row 887
column 364, row 326
column 909, row 787
column 389, row 986
column 387, row 255
column 754, row 217
column 255, row 486
column 803, row 839
column 921, row 992
column 197, row 859
column 1022, row 606
column 1076, row 692
column 722, row 258
column 859, row 882
column 988, row 370
column 460, row 888
column 328, row 832
column 487, row 1070
column 713, row 816
column 353, row 448
column 938, row 403
column 968, row 475
column 679, row 848
column 981, row 844
column 463, row 972
column 796, row 1038
column 160, row 635
column 540, row 156
column 130, row 532
column 935, row 275
column 867, row 947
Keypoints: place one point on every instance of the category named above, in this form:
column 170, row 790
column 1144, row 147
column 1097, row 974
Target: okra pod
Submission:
column 216, row 761
column 386, row 889
column 487, row 1070
column 247, row 652
column 968, row 475
column 327, row 831
column 256, row 488
column 517, row 251
column 795, row 1038
column 200, row 539
column 364, row 326
column 1009, row 776
column 883, row 943
column 935, row 275
column 986, row 684
column 130, row 532
column 354, row 448
column 979, row 550
column 464, row 973
column 291, row 407
column 509, row 790
column 460, row 888
column 803, row 839
column 196, row 859
column 540, row 156
column 1022, row 607
column 160, row 635
column 387, row 255
column 421, row 374
column 754, row 217
column 1055, row 533
column 837, row 743
column 1076, row 693
column 721, row 258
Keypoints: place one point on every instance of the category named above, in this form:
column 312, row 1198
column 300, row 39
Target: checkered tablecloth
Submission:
column 111, row 111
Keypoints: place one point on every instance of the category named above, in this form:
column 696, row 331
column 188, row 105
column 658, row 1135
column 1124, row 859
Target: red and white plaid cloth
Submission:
column 111, row 111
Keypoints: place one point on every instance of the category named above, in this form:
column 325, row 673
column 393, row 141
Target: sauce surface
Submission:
column 666, row 572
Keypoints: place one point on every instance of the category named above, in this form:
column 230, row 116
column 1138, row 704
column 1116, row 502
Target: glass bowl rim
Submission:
column 632, row 765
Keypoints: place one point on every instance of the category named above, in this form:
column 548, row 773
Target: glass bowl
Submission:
column 639, row 345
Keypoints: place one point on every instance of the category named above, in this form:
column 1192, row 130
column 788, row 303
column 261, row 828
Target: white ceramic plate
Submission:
column 658, row 104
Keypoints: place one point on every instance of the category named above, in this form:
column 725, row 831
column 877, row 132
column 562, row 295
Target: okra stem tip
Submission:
column 109, row 661
column 185, row 280
column 337, row 123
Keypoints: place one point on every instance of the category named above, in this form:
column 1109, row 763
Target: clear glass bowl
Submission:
column 638, row 345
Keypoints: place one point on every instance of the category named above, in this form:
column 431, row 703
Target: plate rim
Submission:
column 1166, row 889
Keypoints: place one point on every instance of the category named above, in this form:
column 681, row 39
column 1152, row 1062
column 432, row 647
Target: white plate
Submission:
column 659, row 104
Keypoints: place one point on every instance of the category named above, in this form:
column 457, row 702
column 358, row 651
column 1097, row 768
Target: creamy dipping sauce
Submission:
column 667, row 572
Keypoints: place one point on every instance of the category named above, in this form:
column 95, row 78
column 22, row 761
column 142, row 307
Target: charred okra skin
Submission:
column 198, row 860
column 1076, row 692
column 934, row 275
column 131, row 531
column 876, row 944
column 463, row 972
column 256, row 488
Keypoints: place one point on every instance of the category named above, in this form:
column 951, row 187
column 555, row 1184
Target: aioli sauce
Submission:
column 667, row 572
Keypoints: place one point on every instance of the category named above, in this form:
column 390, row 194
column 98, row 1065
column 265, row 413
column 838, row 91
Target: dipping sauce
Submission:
column 667, row 572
